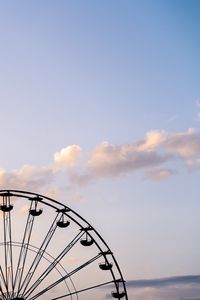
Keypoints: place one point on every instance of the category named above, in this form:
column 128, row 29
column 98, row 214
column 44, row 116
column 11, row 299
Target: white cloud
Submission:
column 67, row 157
column 152, row 140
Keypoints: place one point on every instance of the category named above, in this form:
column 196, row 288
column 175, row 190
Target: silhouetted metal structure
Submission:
column 28, row 271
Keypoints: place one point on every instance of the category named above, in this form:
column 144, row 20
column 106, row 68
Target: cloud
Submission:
column 182, row 292
column 160, row 174
column 152, row 140
column 184, row 144
column 173, row 288
column 161, row 282
column 111, row 160
column 67, row 157
column 152, row 155
column 193, row 164
column 28, row 177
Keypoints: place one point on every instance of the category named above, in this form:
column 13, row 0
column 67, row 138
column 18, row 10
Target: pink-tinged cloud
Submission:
column 28, row 177
column 184, row 144
column 111, row 160
column 67, row 157
column 151, row 155
column 159, row 174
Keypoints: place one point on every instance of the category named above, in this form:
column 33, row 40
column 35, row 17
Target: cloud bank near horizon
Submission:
column 174, row 288
column 153, row 156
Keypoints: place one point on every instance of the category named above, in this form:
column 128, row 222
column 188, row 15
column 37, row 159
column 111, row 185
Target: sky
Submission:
column 100, row 109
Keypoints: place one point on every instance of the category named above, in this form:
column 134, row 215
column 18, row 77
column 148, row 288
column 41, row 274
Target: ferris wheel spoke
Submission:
column 84, row 290
column 2, row 292
column 3, row 279
column 3, row 295
column 24, row 249
column 8, row 257
column 40, row 253
column 48, row 270
column 65, row 277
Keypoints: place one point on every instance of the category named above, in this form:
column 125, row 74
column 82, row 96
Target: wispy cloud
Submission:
column 198, row 106
column 160, row 174
column 198, row 116
column 198, row 103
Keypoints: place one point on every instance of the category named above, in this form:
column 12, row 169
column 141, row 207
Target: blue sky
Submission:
column 115, row 84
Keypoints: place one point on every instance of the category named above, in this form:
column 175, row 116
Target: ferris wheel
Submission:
column 49, row 251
